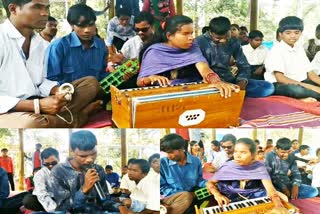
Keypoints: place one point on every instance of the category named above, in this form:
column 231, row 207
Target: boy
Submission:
column 256, row 54
column 288, row 67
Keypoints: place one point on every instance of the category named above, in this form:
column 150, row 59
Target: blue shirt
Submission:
column 175, row 178
column 67, row 60
column 4, row 186
column 218, row 57
column 113, row 179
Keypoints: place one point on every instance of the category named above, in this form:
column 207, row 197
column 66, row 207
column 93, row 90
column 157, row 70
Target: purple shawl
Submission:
column 232, row 171
column 159, row 58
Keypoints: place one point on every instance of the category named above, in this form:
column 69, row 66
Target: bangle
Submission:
column 36, row 106
column 212, row 77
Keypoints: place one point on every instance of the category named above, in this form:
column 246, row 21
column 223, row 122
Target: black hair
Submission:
column 172, row 25
column 51, row 19
column 283, row 143
column 172, row 142
column 303, row 147
column 216, row 143
column 46, row 153
column 81, row 10
column 205, row 29
column 270, row 140
column 4, row 150
column 220, row 25
column 255, row 34
column 229, row 137
column 294, row 140
column 143, row 164
column 125, row 166
column 16, row 2
column 123, row 12
column 244, row 28
column 108, row 167
column 154, row 156
column 290, row 23
column 130, row 160
column 38, row 144
column 257, row 141
column 260, row 151
column 247, row 141
column 83, row 140
column 144, row 16
column 236, row 26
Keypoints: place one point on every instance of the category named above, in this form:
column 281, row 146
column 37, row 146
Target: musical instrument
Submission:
column 252, row 206
column 185, row 105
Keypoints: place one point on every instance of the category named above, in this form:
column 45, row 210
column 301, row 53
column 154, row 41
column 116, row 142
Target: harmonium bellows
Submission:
column 250, row 206
column 187, row 105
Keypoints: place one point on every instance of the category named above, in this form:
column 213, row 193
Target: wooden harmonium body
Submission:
column 187, row 105
column 250, row 206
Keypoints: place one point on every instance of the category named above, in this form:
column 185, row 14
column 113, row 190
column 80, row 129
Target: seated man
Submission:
column 288, row 67
column 312, row 47
column 79, row 54
column 112, row 177
column 73, row 181
column 27, row 98
column 217, row 47
column 126, row 185
column 284, row 172
column 227, row 144
column 304, row 168
column 256, row 54
column 50, row 31
column 144, row 197
column 42, row 196
column 180, row 174
column 216, row 156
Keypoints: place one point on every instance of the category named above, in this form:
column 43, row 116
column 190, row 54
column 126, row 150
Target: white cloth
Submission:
column 42, row 189
column 20, row 78
column 315, row 64
column 306, row 45
column 217, row 158
column 316, row 176
column 132, row 47
column 291, row 61
column 126, row 183
column 255, row 56
column 301, row 164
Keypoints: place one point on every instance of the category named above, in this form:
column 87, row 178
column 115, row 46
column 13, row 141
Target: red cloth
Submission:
column 99, row 120
column 183, row 132
column 307, row 206
column 37, row 160
column 6, row 164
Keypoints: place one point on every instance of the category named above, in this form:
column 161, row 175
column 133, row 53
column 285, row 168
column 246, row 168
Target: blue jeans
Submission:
column 259, row 88
column 306, row 191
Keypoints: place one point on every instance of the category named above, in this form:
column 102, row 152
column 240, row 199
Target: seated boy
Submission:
column 256, row 54
column 287, row 65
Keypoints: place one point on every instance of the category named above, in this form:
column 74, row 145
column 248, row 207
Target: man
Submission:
column 217, row 47
column 303, row 167
column 154, row 161
column 112, row 177
column 216, row 156
column 27, row 98
column 50, row 31
column 269, row 146
column 295, row 146
column 312, row 47
column 144, row 197
column 126, row 185
column 73, row 181
column 7, row 164
column 284, row 172
column 36, row 157
column 180, row 174
column 227, row 144
column 42, row 197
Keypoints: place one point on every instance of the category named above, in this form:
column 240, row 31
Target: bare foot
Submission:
column 123, row 210
column 93, row 107
column 308, row 100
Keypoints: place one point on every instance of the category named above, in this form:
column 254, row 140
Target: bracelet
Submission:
column 212, row 77
column 36, row 106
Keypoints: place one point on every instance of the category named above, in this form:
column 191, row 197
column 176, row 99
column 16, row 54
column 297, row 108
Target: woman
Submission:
column 244, row 178
column 195, row 150
column 173, row 58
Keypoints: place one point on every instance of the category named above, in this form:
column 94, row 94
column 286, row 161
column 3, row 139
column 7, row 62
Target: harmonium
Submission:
column 187, row 105
column 250, row 206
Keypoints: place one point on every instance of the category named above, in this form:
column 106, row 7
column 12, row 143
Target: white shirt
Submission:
column 42, row 189
column 315, row 64
column 126, row 183
column 147, row 191
column 301, row 164
column 115, row 29
column 292, row 62
column 217, row 158
column 255, row 56
column 132, row 47
column 20, row 78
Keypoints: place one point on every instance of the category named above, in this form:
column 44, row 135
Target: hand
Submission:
column 286, row 192
column 54, row 90
column 52, row 104
column 259, row 71
column 160, row 79
column 278, row 210
column 221, row 199
column 225, row 88
column 91, row 177
column 294, row 192
column 127, row 76
column 242, row 84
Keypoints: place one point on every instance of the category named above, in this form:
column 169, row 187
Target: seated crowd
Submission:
column 226, row 56
column 78, row 185
column 239, row 169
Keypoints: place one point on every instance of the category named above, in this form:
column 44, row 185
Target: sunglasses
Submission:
column 226, row 147
column 53, row 163
column 143, row 30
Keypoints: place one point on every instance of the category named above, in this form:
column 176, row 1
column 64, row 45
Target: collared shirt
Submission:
column 278, row 170
column 175, row 178
column 255, row 56
column 6, row 164
column 126, row 183
column 67, row 60
column 115, row 29
column 217, row 158
column 67, row 184
column 42, row 189
column 291, row 61
column 315, row 64
column 147, row 191
column 21, row 78
column 4, row 186
column 132, row 47
column 218, row 57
